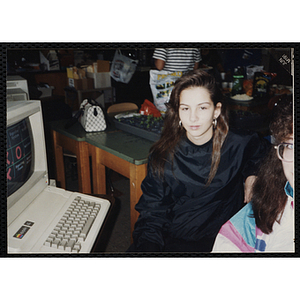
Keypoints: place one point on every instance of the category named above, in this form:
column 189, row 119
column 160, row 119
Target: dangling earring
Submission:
column 215, row 123
column 180, row 123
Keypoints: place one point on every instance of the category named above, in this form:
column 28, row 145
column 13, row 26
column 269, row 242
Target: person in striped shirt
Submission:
column 177, row 59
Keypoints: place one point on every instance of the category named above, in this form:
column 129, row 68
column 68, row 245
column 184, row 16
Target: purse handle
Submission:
column 95, row 103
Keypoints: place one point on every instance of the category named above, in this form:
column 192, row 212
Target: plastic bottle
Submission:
column 238, row 78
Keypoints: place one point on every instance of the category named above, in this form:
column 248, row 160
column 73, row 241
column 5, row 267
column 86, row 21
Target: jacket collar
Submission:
column 289, row 190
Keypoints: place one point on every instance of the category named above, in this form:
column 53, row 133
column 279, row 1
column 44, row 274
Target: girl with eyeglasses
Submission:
column 266, row 224
column 199, row 172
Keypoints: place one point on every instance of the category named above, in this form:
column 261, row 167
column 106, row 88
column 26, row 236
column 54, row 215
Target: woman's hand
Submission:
column 248, row 188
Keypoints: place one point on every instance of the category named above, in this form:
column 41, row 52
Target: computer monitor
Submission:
column 26, row 163
column 16, row 88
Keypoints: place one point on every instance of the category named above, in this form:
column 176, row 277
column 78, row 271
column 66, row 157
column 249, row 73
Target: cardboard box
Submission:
column 76, row 73
column 70, row 73
column 81, row 84
column 101, row 80
column 103, row 66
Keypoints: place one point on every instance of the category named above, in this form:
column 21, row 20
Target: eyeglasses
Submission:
column 285, row 152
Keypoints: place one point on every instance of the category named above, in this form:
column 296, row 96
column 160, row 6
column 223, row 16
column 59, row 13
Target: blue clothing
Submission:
column 240, row 233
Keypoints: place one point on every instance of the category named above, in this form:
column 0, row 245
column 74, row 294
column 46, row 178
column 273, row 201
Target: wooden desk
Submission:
column 72, row 140
column 122, row 152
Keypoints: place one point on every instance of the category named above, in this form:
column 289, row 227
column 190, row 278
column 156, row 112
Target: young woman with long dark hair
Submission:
column 196, row 171
column 266, row 224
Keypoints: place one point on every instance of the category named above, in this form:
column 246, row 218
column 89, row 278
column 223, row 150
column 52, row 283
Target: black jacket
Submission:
column 181, row 206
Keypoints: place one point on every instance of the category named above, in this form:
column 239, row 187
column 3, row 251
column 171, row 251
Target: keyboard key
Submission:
column 77, row 246
column 55, row 243
column 70, row 245
column 74, row 237
column 60, row 236
column 48, row 242
column 62, row 245
column 87, row 227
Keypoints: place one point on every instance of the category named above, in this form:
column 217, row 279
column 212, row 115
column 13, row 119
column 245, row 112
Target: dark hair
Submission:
column 172, row 132
column 269, row 198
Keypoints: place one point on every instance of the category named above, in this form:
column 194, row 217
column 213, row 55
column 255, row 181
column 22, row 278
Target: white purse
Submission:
column 92, row 117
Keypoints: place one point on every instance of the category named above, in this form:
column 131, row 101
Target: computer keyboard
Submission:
column 73, row 228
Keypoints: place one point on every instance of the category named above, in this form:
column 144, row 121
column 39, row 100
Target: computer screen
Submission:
column 26, row 160
column 19, row 155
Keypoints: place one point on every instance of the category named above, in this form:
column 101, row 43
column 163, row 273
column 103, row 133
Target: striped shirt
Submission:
column 178, row 59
